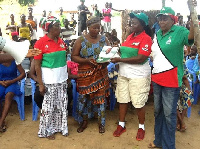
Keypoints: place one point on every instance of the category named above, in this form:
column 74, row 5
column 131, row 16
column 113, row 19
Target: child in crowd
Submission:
column 185, row 101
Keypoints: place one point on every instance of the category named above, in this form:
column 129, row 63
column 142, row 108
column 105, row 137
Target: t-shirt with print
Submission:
column 134, row 45
column 167, row 52
column 53, row 56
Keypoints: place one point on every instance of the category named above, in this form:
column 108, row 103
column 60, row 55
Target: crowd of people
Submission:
column 62, row 58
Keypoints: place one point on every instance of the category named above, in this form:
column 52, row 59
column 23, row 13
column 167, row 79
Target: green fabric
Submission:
column 127, row 52
column 97, row 13
column 62, row 19
column 172, row 44
column 141, row 16
column 54, row 60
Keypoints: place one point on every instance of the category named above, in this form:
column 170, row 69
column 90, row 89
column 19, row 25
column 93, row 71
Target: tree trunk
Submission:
column 163, row 3
column 195, row 20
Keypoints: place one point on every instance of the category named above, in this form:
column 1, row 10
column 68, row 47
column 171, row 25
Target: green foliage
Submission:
column 25, row 2
column 115, row 14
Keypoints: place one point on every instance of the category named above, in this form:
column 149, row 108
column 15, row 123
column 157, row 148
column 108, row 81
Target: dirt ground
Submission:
column 23, row 134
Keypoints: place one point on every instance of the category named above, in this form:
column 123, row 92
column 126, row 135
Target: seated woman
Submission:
column 9, row 87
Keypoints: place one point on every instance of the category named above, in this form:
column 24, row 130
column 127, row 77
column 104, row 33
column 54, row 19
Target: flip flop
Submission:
column 3, row 128
column 178, row 127
column 152, row 145
column 101, row 128
column 183, row 129
column 51, row 137
column 82, row 127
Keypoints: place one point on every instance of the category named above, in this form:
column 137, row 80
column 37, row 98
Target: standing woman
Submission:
column 167, row 75
column 51, row 70
column 133, row 83
column 92, row 81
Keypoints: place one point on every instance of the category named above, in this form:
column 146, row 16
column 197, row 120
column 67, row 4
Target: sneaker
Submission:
column 119, row 131
column 140, row 134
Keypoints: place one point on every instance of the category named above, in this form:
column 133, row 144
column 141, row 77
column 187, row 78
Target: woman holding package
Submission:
column 92, row 81
column 134, row 78
column 167, row 75
column 51, row 71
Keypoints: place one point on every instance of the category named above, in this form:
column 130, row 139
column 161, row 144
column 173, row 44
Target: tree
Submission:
column 195, row 21
column 24, row 2
column 163, row 3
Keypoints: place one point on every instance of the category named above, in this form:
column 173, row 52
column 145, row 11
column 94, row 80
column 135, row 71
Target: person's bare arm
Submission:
column 32, row 71
column 39, row 76
column 133, row 60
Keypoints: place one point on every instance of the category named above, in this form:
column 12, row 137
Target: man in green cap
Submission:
column 167, row 74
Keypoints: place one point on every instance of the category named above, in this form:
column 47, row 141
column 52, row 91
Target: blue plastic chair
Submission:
column 75, row 97
column 35, row 108
column 111, row 68
column 20, row 104
column 194, row 86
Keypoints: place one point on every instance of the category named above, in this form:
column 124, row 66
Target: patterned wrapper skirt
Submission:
column 54, row 112
column 186, row 99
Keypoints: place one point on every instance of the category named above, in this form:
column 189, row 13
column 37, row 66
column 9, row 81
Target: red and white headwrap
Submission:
column 174, row 18
column 47, row 21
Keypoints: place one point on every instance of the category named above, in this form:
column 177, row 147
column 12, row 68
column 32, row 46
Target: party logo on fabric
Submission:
column 62, row 45
column 46, row 47
column 136, row 43
column 169, row 40
column 145, row 48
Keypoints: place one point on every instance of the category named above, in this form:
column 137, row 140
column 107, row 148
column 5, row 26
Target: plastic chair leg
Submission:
column 35, row 108
column 112, row 100
column 196, row 93
column 75, row 98
column 189, row 110
column 20, row 107
column 22, row 97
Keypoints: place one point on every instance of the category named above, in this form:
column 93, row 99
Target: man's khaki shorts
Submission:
column 135, row 90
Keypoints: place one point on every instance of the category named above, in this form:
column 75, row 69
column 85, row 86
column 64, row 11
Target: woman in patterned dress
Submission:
column 92, row 81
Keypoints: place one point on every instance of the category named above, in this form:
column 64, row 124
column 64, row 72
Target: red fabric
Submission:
column 175, row 18
column 143, row 39
column 48, row 45
column 14, row 34
column 73, row 66
column 168, row 78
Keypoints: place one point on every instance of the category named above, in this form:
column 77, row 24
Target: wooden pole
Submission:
column 163, row 3
column 195, row 20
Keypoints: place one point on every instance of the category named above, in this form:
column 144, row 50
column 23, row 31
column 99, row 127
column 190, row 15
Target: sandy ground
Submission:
column 23, row 134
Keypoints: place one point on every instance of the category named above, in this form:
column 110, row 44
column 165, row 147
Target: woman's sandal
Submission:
column 152, row 145
column 178, row 127
column 82, row 127
column 3, row 128
column 101, row 128
column 51, row 137
column 183, row 128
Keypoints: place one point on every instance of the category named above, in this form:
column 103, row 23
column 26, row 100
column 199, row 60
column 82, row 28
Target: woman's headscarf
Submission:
column 168, row 11
column 47, row 21
column 92, row 20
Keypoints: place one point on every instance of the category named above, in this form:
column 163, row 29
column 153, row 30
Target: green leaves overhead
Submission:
column 25, row 2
